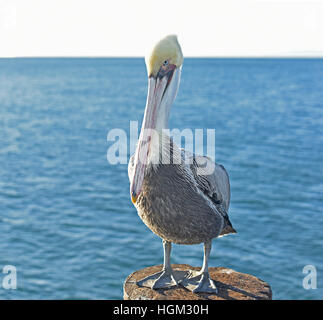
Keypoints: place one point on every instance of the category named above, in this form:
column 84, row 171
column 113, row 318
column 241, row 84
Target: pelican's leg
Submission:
column 166, row 278
column 200, row 281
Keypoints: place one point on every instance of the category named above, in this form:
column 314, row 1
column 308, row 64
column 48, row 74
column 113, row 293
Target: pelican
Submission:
column 173, row 197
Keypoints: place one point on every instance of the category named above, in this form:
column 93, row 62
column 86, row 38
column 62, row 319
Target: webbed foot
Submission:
column 198, row 281
column 163, row 279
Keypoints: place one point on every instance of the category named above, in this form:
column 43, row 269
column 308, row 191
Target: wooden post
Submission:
column 232, row 285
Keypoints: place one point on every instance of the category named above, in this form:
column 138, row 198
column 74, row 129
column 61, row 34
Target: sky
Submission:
column 130, row 27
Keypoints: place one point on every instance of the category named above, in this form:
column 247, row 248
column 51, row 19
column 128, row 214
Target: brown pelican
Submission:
column 173, row 197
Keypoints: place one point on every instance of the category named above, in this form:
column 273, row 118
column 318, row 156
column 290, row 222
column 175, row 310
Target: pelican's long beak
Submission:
column 156, row 97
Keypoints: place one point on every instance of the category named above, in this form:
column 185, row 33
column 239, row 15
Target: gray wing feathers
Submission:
column 213, row 183
column 211, row 178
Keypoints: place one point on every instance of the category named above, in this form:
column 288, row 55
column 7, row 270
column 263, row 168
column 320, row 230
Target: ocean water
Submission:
column 66, row 220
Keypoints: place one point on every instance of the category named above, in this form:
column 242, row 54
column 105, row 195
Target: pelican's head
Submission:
column 165, row 57
column 164, row 70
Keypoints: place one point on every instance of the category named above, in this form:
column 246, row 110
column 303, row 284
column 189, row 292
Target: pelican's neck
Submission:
column 161, row 118
column 158, row 138
column 156, row 117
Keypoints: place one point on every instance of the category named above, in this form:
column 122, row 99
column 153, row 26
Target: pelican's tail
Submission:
column 227, row 227
column 227, row 230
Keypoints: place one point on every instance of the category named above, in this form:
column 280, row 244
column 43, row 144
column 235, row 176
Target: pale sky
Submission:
column 129, row 27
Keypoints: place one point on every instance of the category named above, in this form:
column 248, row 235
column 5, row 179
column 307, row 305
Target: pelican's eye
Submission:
column 165, row 68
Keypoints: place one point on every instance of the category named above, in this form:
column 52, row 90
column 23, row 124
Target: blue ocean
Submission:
column 66, row 220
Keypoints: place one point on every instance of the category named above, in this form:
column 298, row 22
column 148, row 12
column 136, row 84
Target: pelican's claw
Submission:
column 162, row 279
column 199, row 282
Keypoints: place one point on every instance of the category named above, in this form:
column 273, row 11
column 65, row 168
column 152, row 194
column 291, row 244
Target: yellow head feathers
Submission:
column 167, row 48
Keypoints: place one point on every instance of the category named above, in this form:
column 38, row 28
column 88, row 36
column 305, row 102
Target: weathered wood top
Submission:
column 232, row 285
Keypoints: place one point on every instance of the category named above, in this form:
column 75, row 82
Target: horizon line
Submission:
column 186, row 57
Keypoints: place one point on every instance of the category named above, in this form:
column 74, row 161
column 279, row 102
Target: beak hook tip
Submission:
column 134, row 198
